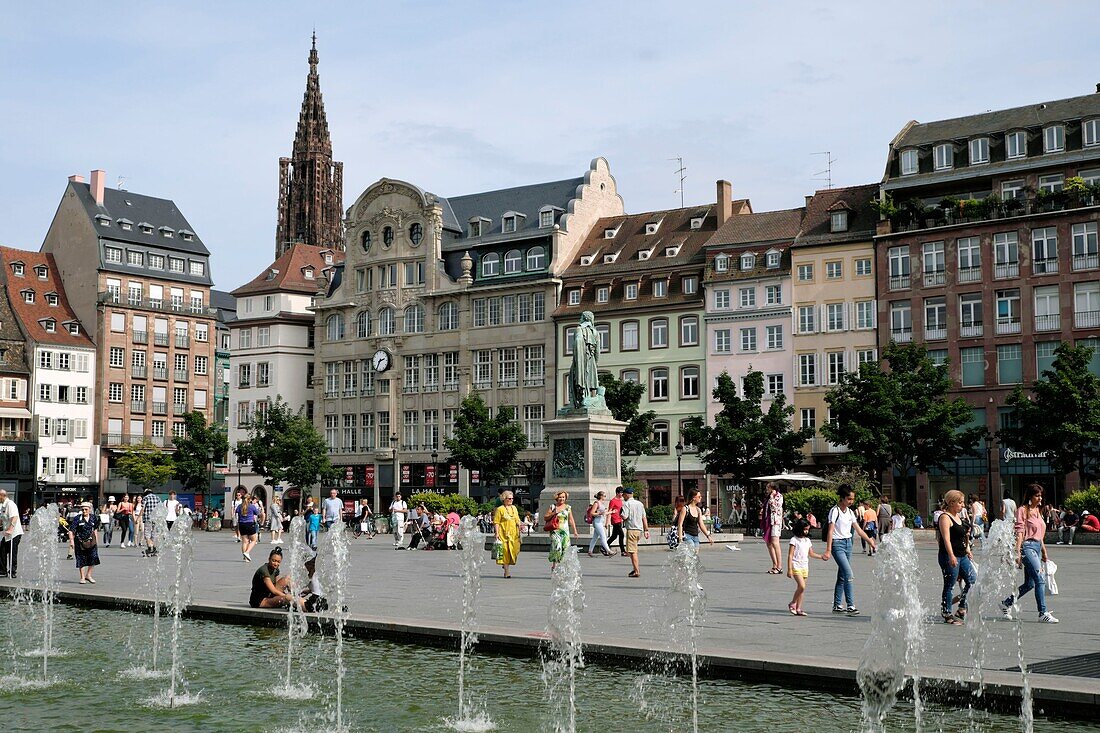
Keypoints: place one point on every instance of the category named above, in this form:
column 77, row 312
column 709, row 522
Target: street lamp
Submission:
column 679, row 457
column 210, row 485
column 393, row 444
column 435, row 469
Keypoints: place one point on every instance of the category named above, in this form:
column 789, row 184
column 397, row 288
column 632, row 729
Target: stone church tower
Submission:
column 310, row 183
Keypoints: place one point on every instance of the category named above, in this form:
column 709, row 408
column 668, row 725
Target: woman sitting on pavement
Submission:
column 268, row 589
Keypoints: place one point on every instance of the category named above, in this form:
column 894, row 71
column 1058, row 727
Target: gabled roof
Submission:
column 148, row 211
column 1003, row 120
column 759, row 228
column 31, row 315
column 492, row 205
column 862, row 219
column 287, row 274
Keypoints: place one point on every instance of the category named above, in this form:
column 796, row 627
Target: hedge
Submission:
column 444, row 503
column 660, row 515
column 1084, row 500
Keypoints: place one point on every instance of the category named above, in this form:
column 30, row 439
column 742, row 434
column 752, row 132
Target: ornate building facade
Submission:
column 311, row 184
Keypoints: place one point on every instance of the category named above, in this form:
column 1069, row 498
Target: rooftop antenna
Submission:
column 828, row 172
column 681, row 171
column 118, row 184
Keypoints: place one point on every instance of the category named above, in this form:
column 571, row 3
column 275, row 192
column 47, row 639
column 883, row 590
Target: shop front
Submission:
column 17, row 462
column 1020, row 469
column 436, row 478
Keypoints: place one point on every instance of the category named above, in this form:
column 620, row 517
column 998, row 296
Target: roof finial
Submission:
column 314, row 38
column 313, row 54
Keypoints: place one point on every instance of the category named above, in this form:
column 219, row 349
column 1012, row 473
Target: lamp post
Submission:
column 989, row 480
column 435, row 470
column 393, row 444
column 209, row 488
column 679, row 458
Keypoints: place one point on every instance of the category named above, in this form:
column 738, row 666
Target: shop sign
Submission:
column 1008, row 455
column 429, row 475
column 368, row 476
column 475, row 476
column 406, row 473
column 452, row 473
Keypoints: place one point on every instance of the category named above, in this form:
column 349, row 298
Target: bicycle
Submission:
column 357, row 530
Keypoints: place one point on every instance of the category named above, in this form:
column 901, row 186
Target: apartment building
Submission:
column 137, row 273
column 18, row 446
column 990, row 259
column 833, row 287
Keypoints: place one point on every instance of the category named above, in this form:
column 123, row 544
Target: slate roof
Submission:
column 492, row 205
column 1032, row 115
column 862, row 219
column 30, row 314
column 765, row 226
column 286, row 273
column 139, row 209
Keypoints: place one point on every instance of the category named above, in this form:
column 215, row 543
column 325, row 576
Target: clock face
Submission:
column 381, row 360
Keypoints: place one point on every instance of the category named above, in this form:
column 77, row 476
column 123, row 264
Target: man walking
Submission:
column 147, row 509
column 635, row 523
column 332, row 509
column 399, row 510
column 615, row 512
column 885, row 515
column 11, row 532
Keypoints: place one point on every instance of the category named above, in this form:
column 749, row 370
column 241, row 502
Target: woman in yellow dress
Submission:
column 506, row 521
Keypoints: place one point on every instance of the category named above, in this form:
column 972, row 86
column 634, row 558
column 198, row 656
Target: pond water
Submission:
column 231, row 671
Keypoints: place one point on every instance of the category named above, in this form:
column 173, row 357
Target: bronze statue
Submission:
column 584, row 380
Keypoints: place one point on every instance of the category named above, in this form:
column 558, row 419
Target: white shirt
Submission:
column 979, row 510
column 800, row 557
column 333, row 509
column 398, row 509
column 1009, row 508
column 897, row 521
column 633, row 513
column 842, row 522
column 172, row 508
column 8, row 512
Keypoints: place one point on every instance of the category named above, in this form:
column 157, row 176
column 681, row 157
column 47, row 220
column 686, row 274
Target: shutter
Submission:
column 20, row 389
column 43, row 426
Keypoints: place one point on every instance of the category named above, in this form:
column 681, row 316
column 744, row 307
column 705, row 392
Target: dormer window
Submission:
column 546, row 218
column 49, row 324
column 672, row 251
column 145, row 228
column 387, row 236
column 51, row 299
column 1054, row 139
column 479, row 226
column 125, row 224
column 910, row 162
column 103, row 221
column 575, row 297
column 660, row 288
column 74, row 329
column 610, row 232
column 630, row 291
column 748, row 261
column 838, row 221
column 1016, row 144
column 42, row 272
column 186, row 235
column 508, row 224
column 328, row 258
column 610, row 257
column 167, row 233
column 28, row 296
column 651, row 227
column 943, row 156
column 603, row 294
column 1090, row 132
column 490, row 264
column 18, row 269
column 513, row 262
column 307, row 273
column 137, row 259
column 722, row 263
column 645, row 254
column 587, row 260
column 697, row 222
column 979, row 151
column 773, row 256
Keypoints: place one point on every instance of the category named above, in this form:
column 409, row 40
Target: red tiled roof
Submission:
column 30, row 315
column 861, row 221
column 288, row 272
column 765, row 226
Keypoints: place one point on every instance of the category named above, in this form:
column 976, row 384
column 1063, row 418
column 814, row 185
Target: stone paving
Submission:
column 746, row 606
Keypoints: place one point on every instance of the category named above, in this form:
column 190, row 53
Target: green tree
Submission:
column 746, row 440
column 145, row 465
column 900, row 417
column 623, row 399
column 488, row 444
column 1060, row 416
column 284, row 447
column 194, row 448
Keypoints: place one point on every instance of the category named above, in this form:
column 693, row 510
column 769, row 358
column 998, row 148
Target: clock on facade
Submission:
column 381, row 360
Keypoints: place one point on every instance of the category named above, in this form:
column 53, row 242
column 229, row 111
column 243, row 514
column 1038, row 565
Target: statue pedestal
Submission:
column 583, row 459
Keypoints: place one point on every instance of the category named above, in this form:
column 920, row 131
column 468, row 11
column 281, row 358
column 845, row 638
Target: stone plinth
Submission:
column 583, row 458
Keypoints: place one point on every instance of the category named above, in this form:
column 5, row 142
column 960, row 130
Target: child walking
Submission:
column 798, row 563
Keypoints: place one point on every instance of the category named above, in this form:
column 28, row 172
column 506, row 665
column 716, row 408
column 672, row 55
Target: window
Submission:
column 175, row 264
column 28, row 296
column 631, row 291
column 935, row 318
column 137, row 259
column 660, row 437
column 114, row 392
column 51, row 299
column 1008, row 311
column 748, row 339
column 805, row 273
column 1009, row 364
column 722, row 341
column 901, row 321
column 1044, row 356
column 970, row 315
column 483, row 368
column 201, row 365
column 935, row 265
column 660, row 288
column 117, row 356
column 603, row 330
column 747, row 297
column 81, row 396
column 112, row 254
column 973, row 366
column 629, row 336
column 658, row 384
column 490, row 265
column 689, row 331
column 979, row 151
column 1016, row 144
column 865, row 314
column 244, row 338
column 1006, row 255
column 773, row 294
column 689, row 285
column 546, row 218
column 244, row 375
column 45, row 359
column 363, row 325
column 834, row 361
column 334, row 327
column 866, row 356
column 774, row 337
column 387, row 236
column 534, row 366
column 575, row 296
column 838, row 221
column 1047, row 308
column 1052, row 183
column 834, row 317
column 658, row 333
column 448, row 317
column 898, row 260
column 414, row 319
column 630, row 375
column 807, row 370
column 602, row 294
column 387, row 322
column 1084, row 246
column 1054, row 139
column 722, row 263
column 1044, row 250
column 722, row 298
column 1086, row 305
column 910, row 162
column 512, row 262
column 689, row 383
column 1012, row 190
column 773, row 258
column 775, row 384
column 807, row 322
column 970, row 259
column 833, row 270
column 943, row 156
column 808, row 418
column 197, row 268
column 263, row 334
column 748, row 261
column 536, row 257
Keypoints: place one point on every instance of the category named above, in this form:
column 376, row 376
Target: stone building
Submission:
column 311, row 184
column 138, row 277
column 438, row 297
column 18, row 446
column 991, row 261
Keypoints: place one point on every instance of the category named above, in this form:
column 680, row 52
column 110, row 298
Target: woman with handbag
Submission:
column 83, row 538
column 597, row 514
column 560, row 525
column 506, row 521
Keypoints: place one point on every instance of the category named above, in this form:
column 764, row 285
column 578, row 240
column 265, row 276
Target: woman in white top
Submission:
column 599, row 531
column 838, row 544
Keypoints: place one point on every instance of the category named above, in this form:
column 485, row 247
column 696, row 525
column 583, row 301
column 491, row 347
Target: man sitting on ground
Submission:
column 1089, row 522
column 1069, row 526
column 268, row 589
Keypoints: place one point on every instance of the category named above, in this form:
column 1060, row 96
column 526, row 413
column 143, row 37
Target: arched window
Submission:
column 362, row 325
column 416, row 233
column 385, row 322
column 364, row 239
column 448, row 317
column 334, row 327
column 512, row 261
column 414, row 319
column 387, row 236
column 536, row 258
column 490, row 264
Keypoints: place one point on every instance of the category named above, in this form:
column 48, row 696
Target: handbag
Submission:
column 590, row 514
column 87, row 543
column 551, row 524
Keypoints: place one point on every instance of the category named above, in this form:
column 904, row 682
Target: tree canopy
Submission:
column 487, row 444
column 623, row 399
column 145, row 465
column 284, row 447
column 901, row 417
column 194, row 448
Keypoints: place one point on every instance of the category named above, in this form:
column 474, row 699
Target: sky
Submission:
column 197, row 101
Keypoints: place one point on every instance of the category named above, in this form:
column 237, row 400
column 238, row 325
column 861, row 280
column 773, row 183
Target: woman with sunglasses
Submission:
column 560, row 524
column 506, row 522
column 1031, row 553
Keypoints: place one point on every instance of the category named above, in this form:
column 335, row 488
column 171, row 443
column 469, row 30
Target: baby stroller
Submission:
column 437, row 539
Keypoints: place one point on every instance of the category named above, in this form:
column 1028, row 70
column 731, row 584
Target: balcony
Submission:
column 141, row 337
column 821, row 445
column 483, row 385
column 179, row 407
column 1010, row 324
column 901, row 335
column 935, row 277
column 508, row 383
column 970, row 274
column 329, row 393
column 110, row 296
column 898, row 282
column 16, row 435
column 160, row 372
column 1087, row 261
column 63, row 439
column 534, row 381
column 1086, row 319
column 971, row 330
column 139, row 371
column 1048, row 322
column 935, row 334
column 1045, row 266
column 433, row 387
column 182, row 341
column 160, row 408
column 410, row 388
column 180, row 375
column 160, row 339
column 1003, row 270
column 450, row 386
column 137, row 405
column 162, row 441
column 367, row 392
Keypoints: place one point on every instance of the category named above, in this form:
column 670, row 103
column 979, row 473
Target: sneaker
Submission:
column 1047, row 618
column 838, row 609
column 1006, row 611
column 852, row 611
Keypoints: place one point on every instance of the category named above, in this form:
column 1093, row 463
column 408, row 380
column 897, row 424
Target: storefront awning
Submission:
column 18, row 412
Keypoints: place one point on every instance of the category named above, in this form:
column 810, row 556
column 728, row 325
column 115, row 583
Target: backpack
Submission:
column 589, row 515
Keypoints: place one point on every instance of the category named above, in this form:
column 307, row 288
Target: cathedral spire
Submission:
column 310, row 182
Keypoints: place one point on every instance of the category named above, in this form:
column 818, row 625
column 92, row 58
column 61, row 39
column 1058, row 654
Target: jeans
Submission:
column 108, row 532
column 843, row 591
column 126, row 529
column 311, row 538
column 692, row 539
column 1062, row 534
column 963, row 569
column 599, row 535
column 9, row 549
column 1033, row 576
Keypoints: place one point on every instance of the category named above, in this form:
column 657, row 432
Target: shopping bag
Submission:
column 498, row 550
column 364, row 526
column 1049, row 569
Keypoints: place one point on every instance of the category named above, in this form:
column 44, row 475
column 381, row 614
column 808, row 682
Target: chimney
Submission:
column 1098, row 88
column 725, row 202
column 809, row 198
column 99, row 177
column 76, row 179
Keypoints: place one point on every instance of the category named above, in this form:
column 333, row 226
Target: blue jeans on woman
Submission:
column 963, row 569
column 842, row 554
column 1033, row 576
